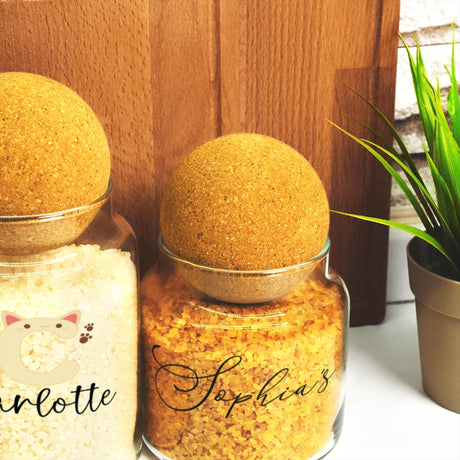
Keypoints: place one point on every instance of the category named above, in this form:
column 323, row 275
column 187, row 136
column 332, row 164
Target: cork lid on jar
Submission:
column 54, row 163
column 244, row 202
column 54, row 154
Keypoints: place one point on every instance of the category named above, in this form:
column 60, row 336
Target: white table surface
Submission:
column 387, row 414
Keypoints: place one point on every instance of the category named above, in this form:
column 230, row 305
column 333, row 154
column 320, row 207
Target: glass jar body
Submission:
column 252, row 381
column 69, row 339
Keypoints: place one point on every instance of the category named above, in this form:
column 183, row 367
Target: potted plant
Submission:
column 434, row 253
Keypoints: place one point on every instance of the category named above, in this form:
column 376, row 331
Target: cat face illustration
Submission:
column 17, row 328
column 65, row 327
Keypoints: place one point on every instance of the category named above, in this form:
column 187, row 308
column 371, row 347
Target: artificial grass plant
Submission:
column 439, row 214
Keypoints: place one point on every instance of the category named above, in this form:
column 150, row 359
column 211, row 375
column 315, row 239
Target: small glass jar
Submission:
column 257, row 380
column 69, row 335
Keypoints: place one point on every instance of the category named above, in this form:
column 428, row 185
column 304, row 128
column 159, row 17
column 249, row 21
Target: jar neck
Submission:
column 238, row 286
column 319, row 262
column 23, row 235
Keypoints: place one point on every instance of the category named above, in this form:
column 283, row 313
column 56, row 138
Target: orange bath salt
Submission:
column 251, row 382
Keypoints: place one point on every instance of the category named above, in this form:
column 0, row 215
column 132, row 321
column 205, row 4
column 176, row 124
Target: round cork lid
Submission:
column 245, row 202
column 54, row 154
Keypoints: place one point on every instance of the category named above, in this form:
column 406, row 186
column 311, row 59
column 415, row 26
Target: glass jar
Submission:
column 69, row 335
column 257, row 380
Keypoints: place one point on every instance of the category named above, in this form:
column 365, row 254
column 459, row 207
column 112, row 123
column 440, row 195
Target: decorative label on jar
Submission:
column 68, row 355
column 270, row 390
column 82, row 400
column 16, row 329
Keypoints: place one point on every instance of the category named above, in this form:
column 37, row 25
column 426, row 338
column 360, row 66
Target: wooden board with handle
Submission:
column 165, row 76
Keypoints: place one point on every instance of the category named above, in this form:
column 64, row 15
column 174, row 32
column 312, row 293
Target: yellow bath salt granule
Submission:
column 54, row 154
column 245, row 202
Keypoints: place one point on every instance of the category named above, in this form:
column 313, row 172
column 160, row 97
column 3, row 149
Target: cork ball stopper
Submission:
column 245, row 202
column 54, row 154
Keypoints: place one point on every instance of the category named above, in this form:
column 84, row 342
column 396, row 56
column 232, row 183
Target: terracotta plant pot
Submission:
column 437, row 300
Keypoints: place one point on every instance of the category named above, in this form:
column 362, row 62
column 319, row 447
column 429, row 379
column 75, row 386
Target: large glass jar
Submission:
column 69, row 336
column 231, row 380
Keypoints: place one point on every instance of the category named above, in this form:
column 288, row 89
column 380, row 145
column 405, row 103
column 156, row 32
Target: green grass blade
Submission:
column 413, row 175
column 425, row 95
column 453, row 99
column 403, row 153
column 446, row 176
column 423, row 195
column 406, row 228
column 424, row 91
column 428, row 205
column 449, row 229
column 388, row 145
column 392, row 129
column 446, row 157
column 416, row 205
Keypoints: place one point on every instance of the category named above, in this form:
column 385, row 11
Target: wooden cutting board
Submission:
column 165, row 76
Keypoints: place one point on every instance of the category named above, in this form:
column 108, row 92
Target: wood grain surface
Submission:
column 165, row 76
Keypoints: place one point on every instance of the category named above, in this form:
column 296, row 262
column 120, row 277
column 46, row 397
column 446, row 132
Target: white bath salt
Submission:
column 68, row 356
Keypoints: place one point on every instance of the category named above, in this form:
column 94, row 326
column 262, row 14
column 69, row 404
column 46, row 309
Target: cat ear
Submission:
column 10, row 318
column 72, row 316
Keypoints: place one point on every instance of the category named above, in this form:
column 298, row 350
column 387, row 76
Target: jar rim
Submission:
column 98, row 202
column 272, row 271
